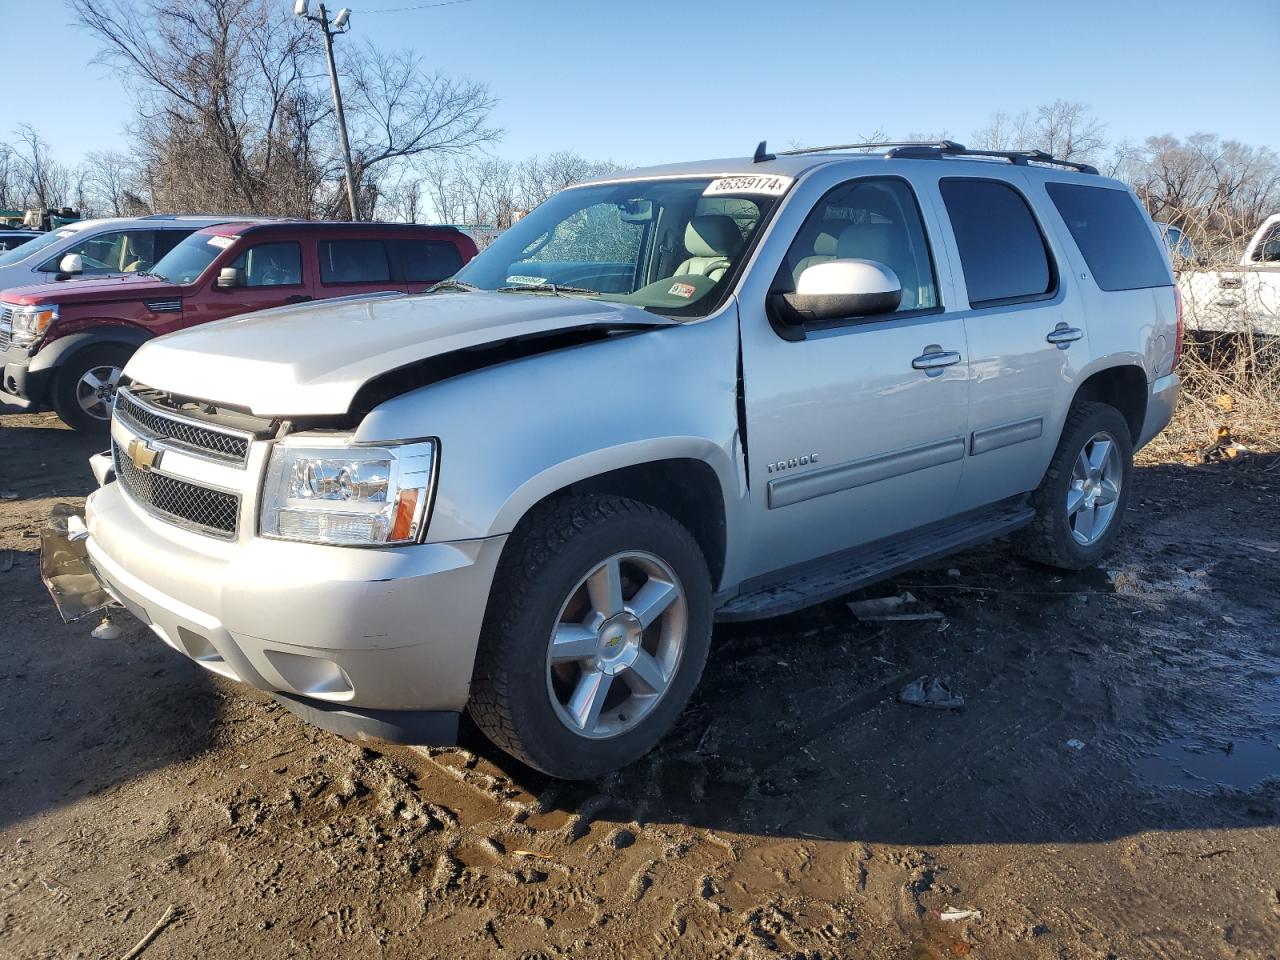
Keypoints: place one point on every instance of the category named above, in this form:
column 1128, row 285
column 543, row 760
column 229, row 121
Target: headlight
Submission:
column 30, row 323
column 348, row 494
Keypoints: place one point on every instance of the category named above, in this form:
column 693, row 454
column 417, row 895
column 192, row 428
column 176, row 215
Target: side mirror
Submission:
column 839, row 289
column 229, row 278
column 72, row 264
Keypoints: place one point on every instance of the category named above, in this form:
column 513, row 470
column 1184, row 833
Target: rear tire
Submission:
column 567, row 683
column 1081, row 501
column 85, row 385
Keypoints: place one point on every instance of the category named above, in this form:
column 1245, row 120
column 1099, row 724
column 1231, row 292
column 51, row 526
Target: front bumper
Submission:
column 20, row 385
column 349, row 635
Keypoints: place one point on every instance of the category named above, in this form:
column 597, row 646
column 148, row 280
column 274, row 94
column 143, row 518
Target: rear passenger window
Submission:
column 353, row 261
column 427, row 260
column 1002, row 251
column 1113, row 235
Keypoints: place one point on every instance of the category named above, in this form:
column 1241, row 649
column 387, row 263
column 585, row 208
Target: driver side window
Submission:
column 869, row 219
column 271, row 265
column 102, row 253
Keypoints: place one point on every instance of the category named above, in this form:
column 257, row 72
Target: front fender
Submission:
column 52, row 353
column 512, row 434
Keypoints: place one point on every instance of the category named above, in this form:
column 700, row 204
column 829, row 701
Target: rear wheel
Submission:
column 596, row 635
column 84, row 389
column 1081, row 501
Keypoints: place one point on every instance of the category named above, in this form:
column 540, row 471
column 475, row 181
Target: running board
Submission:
column 853, row 569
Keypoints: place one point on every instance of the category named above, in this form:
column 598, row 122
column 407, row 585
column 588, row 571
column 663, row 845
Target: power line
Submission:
column 420, row 6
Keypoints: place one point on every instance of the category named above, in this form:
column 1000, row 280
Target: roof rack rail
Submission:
column 930, row 149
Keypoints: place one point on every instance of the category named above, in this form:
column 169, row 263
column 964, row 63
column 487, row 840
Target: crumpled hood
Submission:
column 310, row 359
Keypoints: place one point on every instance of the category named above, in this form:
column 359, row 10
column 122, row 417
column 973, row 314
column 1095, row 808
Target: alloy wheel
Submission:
column 617, row 645
column 96, row 390
column 1094, row 492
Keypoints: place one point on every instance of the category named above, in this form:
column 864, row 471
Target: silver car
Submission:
column 711, row 391
column 97, row 248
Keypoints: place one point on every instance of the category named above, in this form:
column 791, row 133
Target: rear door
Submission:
column 354, row 265
column 856, row 431
column 1025, row 329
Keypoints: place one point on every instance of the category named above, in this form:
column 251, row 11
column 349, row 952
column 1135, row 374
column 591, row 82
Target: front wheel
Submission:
column 84, row 388
column 1081, row 501
column 597, row 631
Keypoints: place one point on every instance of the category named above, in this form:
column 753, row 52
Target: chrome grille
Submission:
column 6, row 327
column 214, row 512
column 179, row 432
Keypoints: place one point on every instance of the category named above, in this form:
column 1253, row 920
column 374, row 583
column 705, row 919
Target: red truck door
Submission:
column 271, row 275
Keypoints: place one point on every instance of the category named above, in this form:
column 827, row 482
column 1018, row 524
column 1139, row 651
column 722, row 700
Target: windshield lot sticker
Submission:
column 770, row 186
column 221, row 242
column 528, row 281
column 685, row 290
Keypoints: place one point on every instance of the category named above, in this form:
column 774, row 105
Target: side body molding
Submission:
column 857, row 473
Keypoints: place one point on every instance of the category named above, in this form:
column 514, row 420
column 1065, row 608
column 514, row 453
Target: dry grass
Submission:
column 1230, row 398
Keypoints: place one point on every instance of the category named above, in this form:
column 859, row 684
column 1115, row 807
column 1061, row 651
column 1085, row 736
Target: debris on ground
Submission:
column 903, row 607
column 953, row 915
column 1223, row 447
column 931, row 692
column 1075, row 744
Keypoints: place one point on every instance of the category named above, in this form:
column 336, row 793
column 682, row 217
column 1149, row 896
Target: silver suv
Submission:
column 97, row 248
column 711, row 391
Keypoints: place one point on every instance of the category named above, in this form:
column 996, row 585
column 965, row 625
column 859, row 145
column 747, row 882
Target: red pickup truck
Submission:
column 63, row 345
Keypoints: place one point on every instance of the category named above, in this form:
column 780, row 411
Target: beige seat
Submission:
column 885, row 243
column 824, row 250
column 712, row 240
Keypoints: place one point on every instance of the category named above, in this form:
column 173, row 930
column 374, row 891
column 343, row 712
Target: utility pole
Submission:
column 339, row 26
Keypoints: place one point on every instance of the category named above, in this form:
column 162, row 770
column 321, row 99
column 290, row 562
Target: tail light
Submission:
column 1177, row 340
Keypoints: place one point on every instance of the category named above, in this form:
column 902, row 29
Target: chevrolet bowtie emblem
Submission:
column 141, row 455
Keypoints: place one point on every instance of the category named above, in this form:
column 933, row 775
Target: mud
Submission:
column 796, row 810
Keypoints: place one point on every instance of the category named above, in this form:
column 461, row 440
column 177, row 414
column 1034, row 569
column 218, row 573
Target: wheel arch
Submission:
column 58, row 351
column 686, row 487
column 1124, row 387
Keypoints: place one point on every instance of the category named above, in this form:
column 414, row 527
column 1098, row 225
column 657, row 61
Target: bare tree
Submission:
column 398, row 113
column 1069, row 131
column 45, row 183
column 110, row 184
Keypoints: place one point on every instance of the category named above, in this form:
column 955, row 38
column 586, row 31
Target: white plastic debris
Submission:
column 1075, row 744
column 953, row 915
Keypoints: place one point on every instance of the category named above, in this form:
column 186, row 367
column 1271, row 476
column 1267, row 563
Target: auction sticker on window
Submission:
column 683, row 290
column 770, row 185
column 221, row 242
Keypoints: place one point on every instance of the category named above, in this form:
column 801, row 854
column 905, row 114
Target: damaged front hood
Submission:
column 311, row 359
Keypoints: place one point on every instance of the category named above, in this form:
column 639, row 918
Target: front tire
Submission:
column 1081, row 501
column 596, row 634
column 84, row 387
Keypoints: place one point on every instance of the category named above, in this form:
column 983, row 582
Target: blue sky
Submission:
column 665, row 80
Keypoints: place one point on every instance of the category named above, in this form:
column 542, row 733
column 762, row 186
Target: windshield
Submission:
column 185, row 262
column 30, row 249
column 669, row 246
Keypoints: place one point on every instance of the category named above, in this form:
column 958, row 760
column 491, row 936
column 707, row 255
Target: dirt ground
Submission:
column 1111, row 789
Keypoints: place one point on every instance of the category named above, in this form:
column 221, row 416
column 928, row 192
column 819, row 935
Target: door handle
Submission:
column 934, row 359
column 297, row 298
column 1063, row 336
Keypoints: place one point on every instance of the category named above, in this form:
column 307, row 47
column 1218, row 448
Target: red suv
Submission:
column 64, row 345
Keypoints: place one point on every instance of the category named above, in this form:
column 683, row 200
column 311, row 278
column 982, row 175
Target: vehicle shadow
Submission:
column 80, row 715
column 1076, row 687
column 40, row 457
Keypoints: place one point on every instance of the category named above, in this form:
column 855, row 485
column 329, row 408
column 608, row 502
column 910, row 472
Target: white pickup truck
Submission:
column 1242, row 298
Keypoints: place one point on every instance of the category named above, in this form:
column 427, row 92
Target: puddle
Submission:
column 1194, row 765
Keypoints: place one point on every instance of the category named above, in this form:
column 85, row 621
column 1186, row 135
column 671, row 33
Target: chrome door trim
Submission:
column 858, row 473
column 1005, row 435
